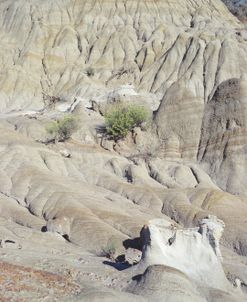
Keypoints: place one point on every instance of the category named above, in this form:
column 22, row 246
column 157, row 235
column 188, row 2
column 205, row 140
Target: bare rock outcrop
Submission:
column 187, row 250
column 60, row 225
column 238, row 8
column 160, row 283
column 165, row 284
column 212, row 228
column 187, row 61
column 55, row 56
column 222, row 149
column 182, row 264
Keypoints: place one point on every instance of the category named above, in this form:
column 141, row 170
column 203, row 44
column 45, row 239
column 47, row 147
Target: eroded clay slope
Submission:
column 181, row 52
column 238, row 8
column 61, row 203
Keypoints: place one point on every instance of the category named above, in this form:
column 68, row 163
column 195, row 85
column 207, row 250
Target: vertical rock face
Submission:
column 212, row 229
column 192, row 252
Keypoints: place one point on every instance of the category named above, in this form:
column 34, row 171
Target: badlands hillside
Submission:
column 238, row 8
column 169, row 201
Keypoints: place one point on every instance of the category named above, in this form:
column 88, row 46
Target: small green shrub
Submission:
column 120, row 119
column 62, row 129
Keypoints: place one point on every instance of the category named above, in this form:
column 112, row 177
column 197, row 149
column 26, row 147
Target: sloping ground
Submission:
column 21, row 284
column 181, row 52
column 238, row 8
column 48, row 47
column 89, row 198
column 59, row 55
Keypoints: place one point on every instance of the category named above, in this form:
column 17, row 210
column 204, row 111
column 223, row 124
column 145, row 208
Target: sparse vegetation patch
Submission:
column 63, row 128
column 120, row 119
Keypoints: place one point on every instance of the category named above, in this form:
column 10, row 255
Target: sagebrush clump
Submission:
column 120, row 119
column 63, row 128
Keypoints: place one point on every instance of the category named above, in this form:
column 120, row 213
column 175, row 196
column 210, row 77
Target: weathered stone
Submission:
column 212, row 228
column 187, row 61
column 186, row 250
